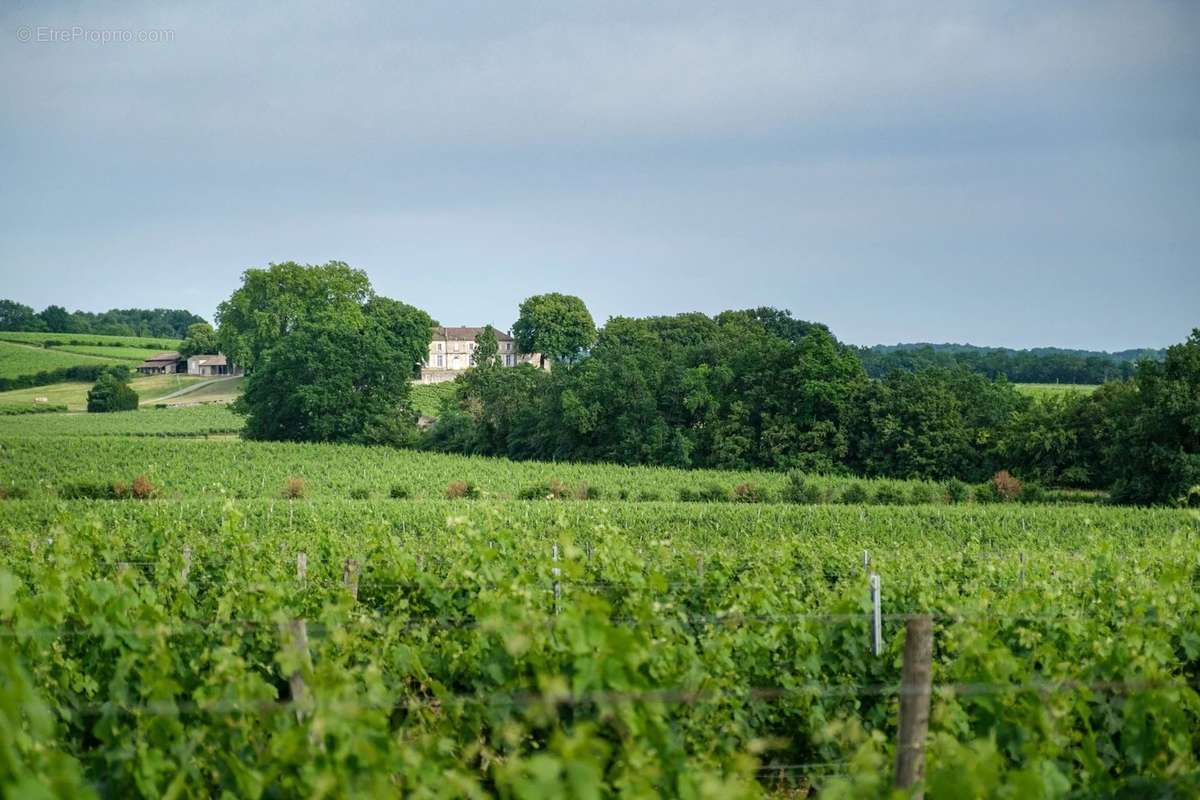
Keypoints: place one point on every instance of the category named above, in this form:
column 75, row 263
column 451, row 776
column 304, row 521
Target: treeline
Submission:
column 758, row 389
column 151, row 322
column 82, row 372
column 329, row 360
column 1039, row 365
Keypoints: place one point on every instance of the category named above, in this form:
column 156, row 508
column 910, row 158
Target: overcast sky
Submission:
column 1013, row 174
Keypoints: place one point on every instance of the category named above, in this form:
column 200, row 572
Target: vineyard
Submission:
column 266, row 648
column 18, row 359
column 200, row 420
column 235, row 468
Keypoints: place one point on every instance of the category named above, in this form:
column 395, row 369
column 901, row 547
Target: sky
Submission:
column 1017, row 174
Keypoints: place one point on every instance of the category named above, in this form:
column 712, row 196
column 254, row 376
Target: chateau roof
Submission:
column 466, row 334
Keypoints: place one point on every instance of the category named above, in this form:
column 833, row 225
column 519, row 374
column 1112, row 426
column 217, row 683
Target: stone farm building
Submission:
column 451, row 349
column 211, row 365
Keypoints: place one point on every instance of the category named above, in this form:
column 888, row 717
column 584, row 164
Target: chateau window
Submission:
column 441, row 361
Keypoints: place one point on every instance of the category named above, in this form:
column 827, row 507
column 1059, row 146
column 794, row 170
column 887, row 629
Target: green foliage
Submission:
column 749, row 493
column 111, row 392
column 558, row 326
column 274, row 302
column 854, row 494
column 360, row 493
column 201, row 339
column 398, row 492
column 888, row 494
column 1155, row 453
column 1071, row 671
column 342, row 380
column 487, row 349
column 181, row 421
column 18, row 409
column 956, row 491
column 935, row 424
column 800, row 489
column 1047, row 365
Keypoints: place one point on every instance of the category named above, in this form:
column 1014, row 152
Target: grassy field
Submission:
column 90, row 339
column 74, row 395
column 1044, row 389
column 18, row 359
column 427, row 397
column 208, row 390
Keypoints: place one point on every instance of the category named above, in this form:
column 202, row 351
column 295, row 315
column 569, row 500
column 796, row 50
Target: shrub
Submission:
column 585, row 491
column 462, row 490
column 553, row 489
column 714, row 493
column 622, row 493
column 111, row 392
column 293, row 488
column 1192, row 498
column 1007, row 487
column 749, row 493
column 854, row 495
column 119, row 490
column 142, row 488
column 889, row 495
column 360, row 493
column 986, row 493
column 922, row 494
column 13, row 493
column 398, row 492
column 801, row 490
column 87, row 490
column 649, row 496
column 956, row 491
column 1033, row 493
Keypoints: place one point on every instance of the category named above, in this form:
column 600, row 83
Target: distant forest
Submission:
column 1038, row 365
column 169, row 323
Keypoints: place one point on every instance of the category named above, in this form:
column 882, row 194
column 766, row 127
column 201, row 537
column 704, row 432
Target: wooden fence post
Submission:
column 915, row 678
column 876, row 616
column 301, row 565
column 187, row 563
column 350, row 577
column 296, row 636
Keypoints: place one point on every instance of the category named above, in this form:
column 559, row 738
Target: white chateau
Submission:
column 451, row 349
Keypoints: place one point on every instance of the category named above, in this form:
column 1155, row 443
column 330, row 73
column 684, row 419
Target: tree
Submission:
column 1155, row 455
column 342, row 378
column 112, row 392
column 275, row 302
column 201, row 339
column 57, row 319
column 17, row 317
column 558, row 326
column 487, row 348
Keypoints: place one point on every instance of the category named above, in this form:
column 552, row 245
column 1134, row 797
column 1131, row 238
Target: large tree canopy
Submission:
column 558, row 326
column 274, row 302
column 1156, row 452
column 200, row 339
column 338, row 371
